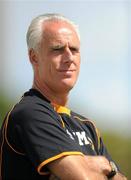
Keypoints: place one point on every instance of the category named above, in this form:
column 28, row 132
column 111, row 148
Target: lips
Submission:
column 67, row 70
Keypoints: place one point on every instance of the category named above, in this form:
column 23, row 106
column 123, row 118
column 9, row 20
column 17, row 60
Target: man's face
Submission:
column 59, row 57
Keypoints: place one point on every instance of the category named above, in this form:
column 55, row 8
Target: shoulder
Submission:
column 84, row 119
column 32, row 108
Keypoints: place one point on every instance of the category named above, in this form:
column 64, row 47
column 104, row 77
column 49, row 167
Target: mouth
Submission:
column 67, row 70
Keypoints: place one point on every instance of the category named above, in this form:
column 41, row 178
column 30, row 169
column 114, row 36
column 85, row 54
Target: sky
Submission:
column 102, row 91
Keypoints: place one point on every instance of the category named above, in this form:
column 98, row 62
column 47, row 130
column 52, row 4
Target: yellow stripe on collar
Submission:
column 61, row 109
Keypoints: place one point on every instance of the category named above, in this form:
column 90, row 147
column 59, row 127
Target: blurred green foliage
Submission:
column 118, row 146
column 5, row 105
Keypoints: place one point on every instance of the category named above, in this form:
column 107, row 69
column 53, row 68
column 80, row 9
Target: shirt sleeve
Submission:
column 43, row 137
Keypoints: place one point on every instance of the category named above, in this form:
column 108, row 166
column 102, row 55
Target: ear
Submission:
column 33, row 56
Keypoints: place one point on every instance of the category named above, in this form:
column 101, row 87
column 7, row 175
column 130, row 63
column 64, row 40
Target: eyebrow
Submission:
column 57, row 46
column 61, row 46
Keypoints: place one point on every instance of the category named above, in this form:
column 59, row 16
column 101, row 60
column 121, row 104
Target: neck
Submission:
column 53, row 96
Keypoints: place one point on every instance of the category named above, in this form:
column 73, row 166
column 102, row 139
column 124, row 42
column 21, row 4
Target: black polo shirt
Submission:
column 36, row 132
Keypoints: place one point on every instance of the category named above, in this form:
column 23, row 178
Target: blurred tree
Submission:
column 5, row 105
column 119, row 148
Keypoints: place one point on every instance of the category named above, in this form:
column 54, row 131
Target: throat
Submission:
column 52, row 96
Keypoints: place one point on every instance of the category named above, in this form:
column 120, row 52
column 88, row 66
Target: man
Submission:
column 41, row 138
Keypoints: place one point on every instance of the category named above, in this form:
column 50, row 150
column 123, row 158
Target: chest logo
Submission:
column 82, row 138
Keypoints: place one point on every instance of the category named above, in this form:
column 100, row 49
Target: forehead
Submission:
column 57, row 31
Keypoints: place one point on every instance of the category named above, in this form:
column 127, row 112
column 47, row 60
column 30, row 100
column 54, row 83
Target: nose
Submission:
column 67, row 56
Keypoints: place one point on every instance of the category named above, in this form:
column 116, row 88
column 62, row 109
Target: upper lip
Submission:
column 63, row 70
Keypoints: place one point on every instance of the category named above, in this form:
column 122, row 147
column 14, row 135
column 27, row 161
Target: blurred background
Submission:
column 102, row 92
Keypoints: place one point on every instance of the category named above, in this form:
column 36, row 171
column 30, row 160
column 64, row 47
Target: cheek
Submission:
column 44, row 69
column 78, row 62
column 51, row 68
column 56, row 63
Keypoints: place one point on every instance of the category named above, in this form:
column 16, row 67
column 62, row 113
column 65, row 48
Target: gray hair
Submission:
column 35, row 32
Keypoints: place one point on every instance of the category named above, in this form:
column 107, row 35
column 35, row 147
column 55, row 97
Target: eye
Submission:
column 57, row 48
column 74, row 49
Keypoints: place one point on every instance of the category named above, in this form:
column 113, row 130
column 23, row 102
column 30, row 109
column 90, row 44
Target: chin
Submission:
column 66, row 85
